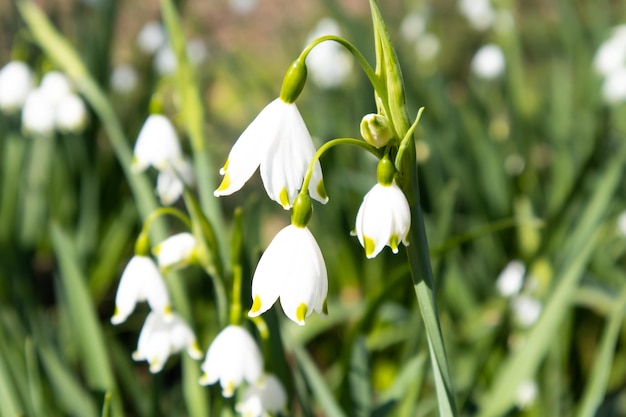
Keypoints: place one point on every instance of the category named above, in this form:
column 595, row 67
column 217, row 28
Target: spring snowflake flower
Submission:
column 176, row 250
column 267, row 395
column 526, row 310
column 157, row 145
column 511, row 279
column 161, row 337
column 328, row 63
column 124, row 79
column 384, row 218
column 479, row 13
column 293, row 269
column 488, row 62
column 141, row 281
column 232, row 357
column 71, row 114
column 151, row 37
column 171, row 181
column 16, row 81
column 38, row 113
column 56, row 85
column 279, row 143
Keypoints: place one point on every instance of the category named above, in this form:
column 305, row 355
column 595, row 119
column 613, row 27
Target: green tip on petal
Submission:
column 283, row 198
column 256, row 305
column 321, row 190
column 229, row 389
column 301, row 313
column 369, row 245
column 204, row 379
column 325, row 307
column 167, row 310
column 393, row 243
column 225, row 183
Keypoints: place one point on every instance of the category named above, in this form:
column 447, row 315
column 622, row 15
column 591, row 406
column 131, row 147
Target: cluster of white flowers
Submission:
column 152, row 40
column 610, row 63
column 52, row 105
column 329, row 64
column 158, row 146
column 510, row 282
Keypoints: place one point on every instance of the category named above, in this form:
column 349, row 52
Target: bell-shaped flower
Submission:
column 280, row 144
column 266, row 396
column 141, row 281
column 511, row 279
column 38, row 113
column 232, row 357
column 171, row 181
column 16, row 81
column 71, row 114
column 292, row 268
column 161, row 337
column 176, row 250
column 384, row 218
column 157, row 145
column 488, row 62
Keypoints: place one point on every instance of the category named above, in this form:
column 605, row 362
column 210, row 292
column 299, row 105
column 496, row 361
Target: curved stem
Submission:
column 163, row 211
column 330, row 144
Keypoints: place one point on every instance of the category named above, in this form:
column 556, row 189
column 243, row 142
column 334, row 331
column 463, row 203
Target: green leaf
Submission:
column 359, row 377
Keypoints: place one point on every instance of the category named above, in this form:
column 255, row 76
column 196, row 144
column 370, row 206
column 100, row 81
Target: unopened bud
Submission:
column 294, row 81
column 375, row 130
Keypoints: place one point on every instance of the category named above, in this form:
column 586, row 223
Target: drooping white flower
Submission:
column 178, row 249
column 171, row 181
column 163, row 336
column 279, row 142
column 614, row 86
column 232, row 357
column 510, row 280
column 526, row 310
column 16, row 81
column 488, row 62
column 157, row 145
column 56, row 85
column 384, row 218
column 292, row 268
column 141, row 281
column 479, row 13
column 124, row 79
column 328, row 64
column 610, row 56
column 71, row 114
column 38, row 113
column 266, row 396
column 151, row 37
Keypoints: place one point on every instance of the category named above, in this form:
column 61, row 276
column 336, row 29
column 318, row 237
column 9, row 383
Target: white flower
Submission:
column 71, row 114
column 614, row 86
column 427, row 47
column 175, row 250
column 479, row 13
column 384, row 218
column 124, row 79
column 56, row 85
column 526, row 310
column 488, row 62
column 292, row 268
column 526, row 394
column 610, row 56
column 161, row 337
column 279, row 142
column 510, row 280
column 232, row 357
column 151, row 37
column 171, row 181
column 328, row 64
column 141, row 281
column 38, row 113
column 412, row 26
column 16, row 81
column 165, row 61
column 157, row 145
column 265, row 396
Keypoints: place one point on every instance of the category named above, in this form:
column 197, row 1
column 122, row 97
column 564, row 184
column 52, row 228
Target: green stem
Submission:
column 237, row 241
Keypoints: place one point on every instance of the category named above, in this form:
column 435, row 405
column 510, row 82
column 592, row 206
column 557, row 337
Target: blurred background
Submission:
column 520, row 150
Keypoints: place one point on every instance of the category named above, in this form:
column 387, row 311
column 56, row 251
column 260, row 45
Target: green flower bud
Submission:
column 302, row 210
column 385, row 171
column 294, row 81
column 375, row 130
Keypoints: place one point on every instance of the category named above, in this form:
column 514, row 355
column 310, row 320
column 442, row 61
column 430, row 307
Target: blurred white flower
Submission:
column 16, row 82
column 526, row 310
column 479, row 13
column 328, row 64
column 610, row 56
column 266, row 396
column 38, row 113
column 71, row 114
column 171, row 181
column 242, row 6
column 526, row 394
column 197, row 51
column 292, row 268
column 56, row 85
column 124, row 79
column 141, row 281
column 488, row 62
column 178, row 249
column 157, row 145
column 165, row 61
column 279, row 142
column 151, row 37
column 384, row 219
column 427, row 47
column 412, row 26
column 232, row 357
column 614, row 86
column 511, row 279
column 163, row 336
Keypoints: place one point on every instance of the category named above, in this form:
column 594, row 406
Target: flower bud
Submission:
column 385, row 171
column 375, row 130
column 294, row 81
